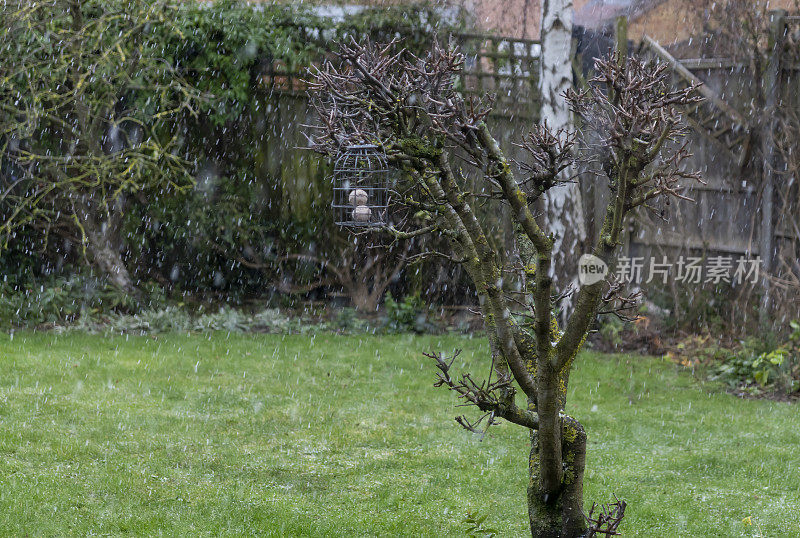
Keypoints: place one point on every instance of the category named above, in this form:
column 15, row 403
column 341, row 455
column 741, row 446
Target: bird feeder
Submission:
column 360, row 186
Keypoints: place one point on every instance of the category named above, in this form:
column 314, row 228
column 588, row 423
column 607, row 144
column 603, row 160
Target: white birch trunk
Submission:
column 563, row 207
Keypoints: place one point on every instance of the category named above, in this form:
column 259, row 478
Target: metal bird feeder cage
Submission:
column 360, row 187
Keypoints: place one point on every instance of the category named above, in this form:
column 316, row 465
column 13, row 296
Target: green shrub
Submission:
column 177, row 318
column 347, row 320
column 474, row 526
column 59, row 299
column 611, row 329
column 408, row 315
column 171, row 318
column 758, row 366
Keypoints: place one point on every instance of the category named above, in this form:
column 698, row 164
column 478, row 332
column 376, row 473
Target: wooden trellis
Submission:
column 506, row 67
column 748, row 207
column 503, row 66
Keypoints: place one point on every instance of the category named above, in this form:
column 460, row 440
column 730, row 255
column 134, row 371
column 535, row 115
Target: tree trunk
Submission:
column 561, row 515
column 563, row 207
column 108, row 261
column 362, row 299
column 103, row 245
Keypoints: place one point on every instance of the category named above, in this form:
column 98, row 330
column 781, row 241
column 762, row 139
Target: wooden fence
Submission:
column 749, row 204
column 506, row 67
column 737, row 212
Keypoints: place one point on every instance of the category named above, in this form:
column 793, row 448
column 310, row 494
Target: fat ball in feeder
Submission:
column 360, row 186
column 362, row 214
column 358, row 197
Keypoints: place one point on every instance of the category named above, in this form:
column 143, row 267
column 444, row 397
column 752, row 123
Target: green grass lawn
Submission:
column 346, row 436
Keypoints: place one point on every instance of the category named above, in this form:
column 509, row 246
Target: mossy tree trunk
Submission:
column 560, row 515
column 102, row 239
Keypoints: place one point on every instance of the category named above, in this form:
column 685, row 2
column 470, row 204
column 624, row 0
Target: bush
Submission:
column 408, row 315
column 230, row 52
column 177, row 318
column 758, row 367
column 52, row 300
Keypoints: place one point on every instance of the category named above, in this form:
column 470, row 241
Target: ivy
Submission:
column 225, row 46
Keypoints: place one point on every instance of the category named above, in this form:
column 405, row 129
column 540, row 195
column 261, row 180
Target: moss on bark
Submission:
column 561, row 515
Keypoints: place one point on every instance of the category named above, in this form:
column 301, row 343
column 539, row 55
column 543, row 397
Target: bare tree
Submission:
column 410, row 106
column 363, row 269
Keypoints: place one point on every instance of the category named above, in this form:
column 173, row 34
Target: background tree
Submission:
column 409, row 105
column 362, row 269
column 563, row 205
column 90, row 117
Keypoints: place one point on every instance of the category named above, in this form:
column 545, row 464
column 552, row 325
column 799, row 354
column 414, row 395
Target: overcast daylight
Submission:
column 480, row 268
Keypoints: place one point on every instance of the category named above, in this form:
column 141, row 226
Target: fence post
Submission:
column 777, row 30
column 621, row 35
